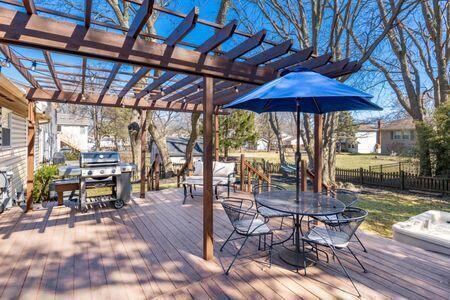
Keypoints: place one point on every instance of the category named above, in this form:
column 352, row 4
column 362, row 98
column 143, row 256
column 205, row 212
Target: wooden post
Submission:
column 303, row 175
column 318, row 157
column 402, row 180
column 216, row 137
column 143, row 119
column 30, row 153
column 156, row 174
column 361, row 176
column 242, row 172
column 208, row 93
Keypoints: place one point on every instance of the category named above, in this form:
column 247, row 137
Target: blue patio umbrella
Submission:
column 303, row 90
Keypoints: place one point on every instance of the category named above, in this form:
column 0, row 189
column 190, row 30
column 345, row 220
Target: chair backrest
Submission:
column 342, row 230
column 348, row 197
column 238, row 215
column 265, row 187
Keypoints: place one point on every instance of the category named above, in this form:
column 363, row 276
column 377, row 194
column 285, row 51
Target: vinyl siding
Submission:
column 15, row 156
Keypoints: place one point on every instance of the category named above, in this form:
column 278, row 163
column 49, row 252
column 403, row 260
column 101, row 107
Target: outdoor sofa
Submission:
column 429, row 230
column 223, row 175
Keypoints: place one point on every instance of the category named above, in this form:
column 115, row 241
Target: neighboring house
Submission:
column 398, row 137
column 46, row 135
column 394, row 137
column 177, row 150
column 72, row 132
column 262, row 144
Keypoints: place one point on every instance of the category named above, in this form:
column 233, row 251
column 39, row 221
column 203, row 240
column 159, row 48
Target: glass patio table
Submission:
column 309, row 205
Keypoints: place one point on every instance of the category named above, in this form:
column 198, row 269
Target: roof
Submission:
column 177, row 147
column 12, row 97
column 402, row 124
column 71, row 120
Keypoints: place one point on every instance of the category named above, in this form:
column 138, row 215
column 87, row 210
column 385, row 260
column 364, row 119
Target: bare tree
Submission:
column 323, row 25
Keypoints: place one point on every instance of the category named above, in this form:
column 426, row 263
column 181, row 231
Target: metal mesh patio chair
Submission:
column 246, row 223
column 336, row 235
column 266, row 212
column 349, row 198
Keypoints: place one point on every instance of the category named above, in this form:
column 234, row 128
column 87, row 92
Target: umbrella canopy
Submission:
column 313, row 92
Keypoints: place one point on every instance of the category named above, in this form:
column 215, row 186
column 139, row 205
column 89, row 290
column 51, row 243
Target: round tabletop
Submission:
column 310, row 204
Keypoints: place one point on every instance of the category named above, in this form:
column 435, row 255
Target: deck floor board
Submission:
column 152, row 248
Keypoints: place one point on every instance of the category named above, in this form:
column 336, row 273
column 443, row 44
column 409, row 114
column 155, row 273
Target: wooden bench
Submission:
column 65, row 185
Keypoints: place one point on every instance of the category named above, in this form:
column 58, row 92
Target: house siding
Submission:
column 389, row 145
column 14, row 157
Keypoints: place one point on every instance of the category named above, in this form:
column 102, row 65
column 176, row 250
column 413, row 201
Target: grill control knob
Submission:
column 102, row 171
column 113, row 171
column 89, row 172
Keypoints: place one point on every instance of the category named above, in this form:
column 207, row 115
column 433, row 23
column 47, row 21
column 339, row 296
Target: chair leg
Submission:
column 237, row 254
column 221, row 248
column 270, row 250
column 345, row 271
column 359, row 241
column 282, row 220
column 362, row 266
column 304, row 256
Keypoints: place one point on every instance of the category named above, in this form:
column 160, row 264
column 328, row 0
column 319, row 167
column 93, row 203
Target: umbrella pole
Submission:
column 298, row 156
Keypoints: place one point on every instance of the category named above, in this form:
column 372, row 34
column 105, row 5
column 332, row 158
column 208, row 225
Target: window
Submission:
column 407, row 135
column 5, row 118
column 397, row 135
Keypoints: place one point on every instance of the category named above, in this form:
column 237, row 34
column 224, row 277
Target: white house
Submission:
column 72, row 132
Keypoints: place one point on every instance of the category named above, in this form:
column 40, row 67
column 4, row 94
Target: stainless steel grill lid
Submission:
column 99, row 158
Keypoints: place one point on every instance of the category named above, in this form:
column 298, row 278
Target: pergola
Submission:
column 190, row 77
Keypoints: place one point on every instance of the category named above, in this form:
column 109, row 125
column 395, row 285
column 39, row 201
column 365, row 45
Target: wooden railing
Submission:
column 247, row 173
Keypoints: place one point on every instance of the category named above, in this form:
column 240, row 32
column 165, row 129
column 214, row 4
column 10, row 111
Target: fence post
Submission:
column 399, row 166
column 402, row 179
column 361, row 175
column 157, row 169
column 242, row 171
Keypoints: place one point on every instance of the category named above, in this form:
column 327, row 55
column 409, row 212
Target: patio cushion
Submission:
column 271, row 213
column 255, row 227
column 198, row 168
column 222, row 169
column 320, row 235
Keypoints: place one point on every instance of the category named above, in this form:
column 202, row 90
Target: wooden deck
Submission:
column 153, row 248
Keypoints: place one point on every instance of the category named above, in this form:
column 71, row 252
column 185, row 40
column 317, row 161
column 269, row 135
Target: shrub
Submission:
column 72, row 155
column 42, row 180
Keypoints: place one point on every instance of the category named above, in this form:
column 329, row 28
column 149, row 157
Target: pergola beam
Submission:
column 246, row 46
column 83, row 75
column 183, row 28
column 111, row 77
column 292, row 59
column 44, row 33
column 15, row 61
column 141, row 17
column 29, row 6
column 271, row 53
column 135, row 79
column 108, row 100
column 218, row 38
column 51, row 68
column 87, row 13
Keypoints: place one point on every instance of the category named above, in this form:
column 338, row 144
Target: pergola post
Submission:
column 30, row 153
column 143, row 119
column 216, row 137
column 318, row 155
column 208, row 91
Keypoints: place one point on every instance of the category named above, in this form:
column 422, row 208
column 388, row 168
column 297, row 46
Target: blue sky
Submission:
column 165, row 24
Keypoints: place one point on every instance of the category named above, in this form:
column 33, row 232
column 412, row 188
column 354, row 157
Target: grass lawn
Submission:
column 386, row 208
column 344, row 160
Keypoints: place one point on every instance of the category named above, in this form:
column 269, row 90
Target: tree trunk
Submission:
column 423, row 148
column 191, row 142
column 275, row 125
column 135, row 140
column 161, row 144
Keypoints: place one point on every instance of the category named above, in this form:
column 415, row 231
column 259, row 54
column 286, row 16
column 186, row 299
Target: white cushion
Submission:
column 222, row 169
column 255, row 227
column 323, row 236
column 198, row 168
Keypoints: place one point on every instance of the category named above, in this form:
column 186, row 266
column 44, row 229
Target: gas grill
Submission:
column 103, row 169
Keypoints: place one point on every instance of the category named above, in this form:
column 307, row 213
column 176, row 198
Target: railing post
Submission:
column 303, row 175
column 269, row 182
column 242, row 172
column 249, row 181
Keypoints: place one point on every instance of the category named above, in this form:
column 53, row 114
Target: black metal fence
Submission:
column 401, row 180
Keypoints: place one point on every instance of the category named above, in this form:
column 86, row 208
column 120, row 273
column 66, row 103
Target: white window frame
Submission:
column 9, row 113
column 397, row 137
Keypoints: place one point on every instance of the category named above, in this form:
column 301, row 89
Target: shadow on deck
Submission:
column 153, row 248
